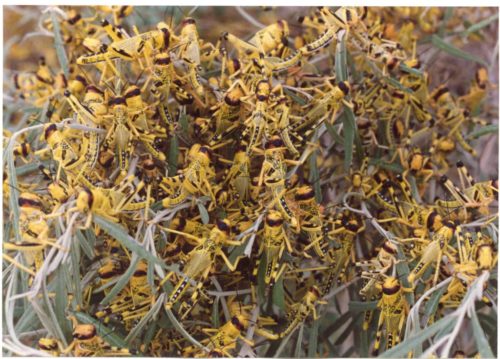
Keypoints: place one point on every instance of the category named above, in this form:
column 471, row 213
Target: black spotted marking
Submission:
column 274, row 222
column 162, row 60
column 344, row 87
column 44, row 80
column 140, row 273
column 121, row 52
column 74, row 19
column 439, row 93
column 391, row 290
column 389, row 249
column 117, row 101
column 133, row 92
column 90, row 196
column 221, row 225
column 50, row 130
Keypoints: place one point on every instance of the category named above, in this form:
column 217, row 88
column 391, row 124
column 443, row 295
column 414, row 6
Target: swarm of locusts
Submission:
column 308, row 184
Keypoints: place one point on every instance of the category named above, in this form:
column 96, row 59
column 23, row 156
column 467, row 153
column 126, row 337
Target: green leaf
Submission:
column 75, row 267
column 355, row 74
column 349, row 122
column 444, row 331
column 355, row 306
column 13, row 194
column 85, row 245
column 205, row 218
column 61, row 300
column 336, row 324
column 349, row 130
column 181, row 329
column 448, row 13
column 393, row 167
column 342, row 335
column 138, row 329
column 215, row 313
column 395, row 83
column 331, row 130
column 313, row 340
column 478, row 26
column 363, row 350
column 452, row 50
column 489, row 324
column 150, row 333
column 91, row 237
column 173, row 156
column 414, row 188
column 52, row 315
column 122, row 282
column 150, row 277
column 299, row 100
column 283, row 344
column 183, row 121
column 433, row 303
column 30, row 167
column 402, row 349
column 58, row 45
column 341, row 60
column 279, row 294
column 403, row 270
column 28, row 320
column 119, row 233
column 403, row 67
column 482, row 344
column 298, row 344
column 103, row 331
column 485, row 130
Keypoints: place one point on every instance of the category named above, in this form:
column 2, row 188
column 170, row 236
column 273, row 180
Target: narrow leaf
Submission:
column 478, row 26
column 58, row 45
column 205, row 218
column 150, row 333
column 349, row 129
column 75, row 272
column 183, row 121
column 299, row 100
column 279, row 294
column 402, row 349
column 403, row 67
column 331, row 130
column 153, row 311
column 119, row 233
column 13, row 194
column 52, row 315
column 61, row 300
column 85, row 245
column 355, row 306
column 103, row 331
column 341, row 60
column 432, row 303
column 452, row 50
column 181, row 329
column 485, row 130
column 122, row 282
column 480, row 336
column 313, row 340
column 394, row 167
column 215, row 313
column 298, row 344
